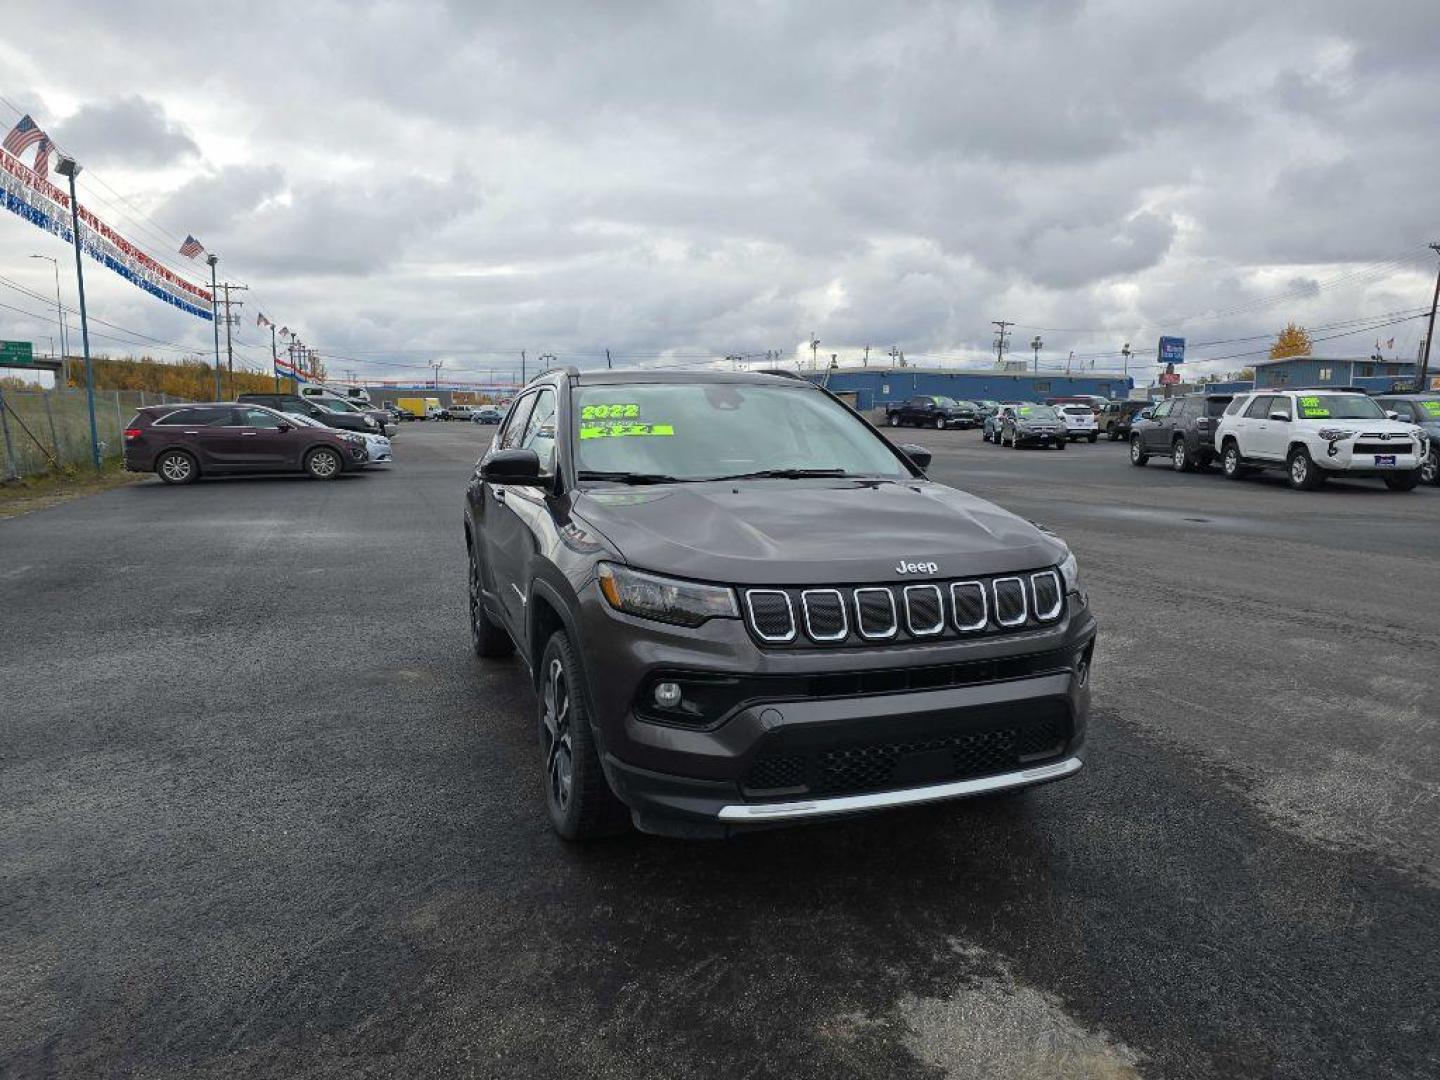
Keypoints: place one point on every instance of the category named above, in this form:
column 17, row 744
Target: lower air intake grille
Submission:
column 913, row 762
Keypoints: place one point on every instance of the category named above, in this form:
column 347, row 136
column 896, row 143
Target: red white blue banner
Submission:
column 45, row 206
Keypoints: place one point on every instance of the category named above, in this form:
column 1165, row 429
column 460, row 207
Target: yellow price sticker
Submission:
column 1432, row 407
column 1315, row 414
column 1310, row 401
column 620, row 431
column 623, row 411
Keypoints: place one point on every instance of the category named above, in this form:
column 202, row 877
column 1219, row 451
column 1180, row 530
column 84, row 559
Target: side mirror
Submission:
column 284, row 427
column 518, row 466
column 1391, row 414
column 1144, row 414
column 1277, row 415
column 918, row 454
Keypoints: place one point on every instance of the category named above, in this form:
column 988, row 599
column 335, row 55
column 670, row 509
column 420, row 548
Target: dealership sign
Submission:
column 1172, row 350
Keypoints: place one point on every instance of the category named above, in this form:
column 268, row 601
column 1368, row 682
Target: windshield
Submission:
column 1339, row 407
column 944, row 402
column 1036, row 412
column 700, row 431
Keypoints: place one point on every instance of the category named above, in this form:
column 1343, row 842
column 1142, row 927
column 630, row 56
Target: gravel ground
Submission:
column 263, row 815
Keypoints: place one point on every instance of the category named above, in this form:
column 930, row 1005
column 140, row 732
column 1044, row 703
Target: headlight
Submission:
column 1070, row 572
column 650, row 596
column 370, row 423
column 1334, row 435
column 350, row 437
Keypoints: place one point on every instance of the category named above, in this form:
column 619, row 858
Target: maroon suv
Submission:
column 182, row 442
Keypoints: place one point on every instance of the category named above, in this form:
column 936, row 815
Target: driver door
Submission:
column 501, row 529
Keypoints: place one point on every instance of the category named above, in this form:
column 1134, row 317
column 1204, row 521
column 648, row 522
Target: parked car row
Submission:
column 1311, row 435
column 258, row 433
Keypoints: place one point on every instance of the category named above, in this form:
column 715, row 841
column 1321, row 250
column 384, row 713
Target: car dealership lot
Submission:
column 265, row 815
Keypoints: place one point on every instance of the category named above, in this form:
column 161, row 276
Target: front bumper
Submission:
column 796, row 755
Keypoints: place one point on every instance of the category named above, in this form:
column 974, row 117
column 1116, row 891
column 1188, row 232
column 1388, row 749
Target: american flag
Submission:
column 42, row 157
column 24, row 134
column 191, row 247
column 261, row 320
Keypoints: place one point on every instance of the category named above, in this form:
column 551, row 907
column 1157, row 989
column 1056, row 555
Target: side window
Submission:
column 199, row 418
column 1401, row 409
column 1162, row 410
column 258, row 418
column 540, row 430
column 1259, row 407
column 515, row 423
column 1235, row 406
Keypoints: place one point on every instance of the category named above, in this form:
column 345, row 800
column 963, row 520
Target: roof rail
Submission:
column 568, row 369
column 1337, row 389
column 782, row 373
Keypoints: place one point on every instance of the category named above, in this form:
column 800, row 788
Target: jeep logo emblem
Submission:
column 917, row 568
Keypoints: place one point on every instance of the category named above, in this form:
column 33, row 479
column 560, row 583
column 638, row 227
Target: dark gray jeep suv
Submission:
column 742, row 606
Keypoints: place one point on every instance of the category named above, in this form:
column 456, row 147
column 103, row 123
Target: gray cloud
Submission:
column 572, row 176
column 129, row 131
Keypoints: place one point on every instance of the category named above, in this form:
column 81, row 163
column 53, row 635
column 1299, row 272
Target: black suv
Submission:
column 1183, row 429
column 742, row 606
column 295, row 404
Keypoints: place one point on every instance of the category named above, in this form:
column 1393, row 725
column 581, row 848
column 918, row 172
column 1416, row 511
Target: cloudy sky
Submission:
column 415, row 182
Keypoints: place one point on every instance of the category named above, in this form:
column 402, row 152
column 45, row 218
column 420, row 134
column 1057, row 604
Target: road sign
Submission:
column 1172, row 350
column 17, row 354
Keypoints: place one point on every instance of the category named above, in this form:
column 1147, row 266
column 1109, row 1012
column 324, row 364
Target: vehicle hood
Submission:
column 1395, row 429
column 800, row 532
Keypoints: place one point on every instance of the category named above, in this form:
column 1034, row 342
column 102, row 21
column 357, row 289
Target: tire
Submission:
column 487, row 637
column 1180, row 459
column 324, row 463
column 577, row 795
column 893, row 420
column 1303, row 473
column 1062, row 444
column 1430, row 471
column 1231, row 464
column 1112, row 434
column 1406, row 481
column 176, row 467
column 939, row 424
column 1092, row 437
column 1138, row 457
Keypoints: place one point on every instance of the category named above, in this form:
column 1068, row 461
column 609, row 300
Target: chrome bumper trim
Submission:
column 845, row 804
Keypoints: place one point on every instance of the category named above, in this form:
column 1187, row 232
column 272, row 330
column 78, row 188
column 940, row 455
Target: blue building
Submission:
column 874, row 387
column 1363, row 371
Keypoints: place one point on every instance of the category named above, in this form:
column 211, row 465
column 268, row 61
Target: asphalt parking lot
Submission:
column 264, row 815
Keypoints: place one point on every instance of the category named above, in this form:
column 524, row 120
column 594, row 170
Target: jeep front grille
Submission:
column 771, row 615
column 922, row 611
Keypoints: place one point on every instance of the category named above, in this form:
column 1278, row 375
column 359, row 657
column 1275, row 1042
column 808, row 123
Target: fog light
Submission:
column 667, row 695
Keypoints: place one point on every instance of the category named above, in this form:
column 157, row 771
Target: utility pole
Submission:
column 231, row 320
column 894, row 355
column 437, row 365
column 212, row 259
column 1422, row 383
column 607, row 359
column 1002, row 331
column 1036, row 343
column 522, row 367
column 274, row 358
column 866, row 361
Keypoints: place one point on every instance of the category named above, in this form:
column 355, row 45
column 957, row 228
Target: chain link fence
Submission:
column 44, row 430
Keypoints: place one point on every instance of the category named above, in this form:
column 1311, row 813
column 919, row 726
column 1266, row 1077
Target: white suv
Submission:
column 1316, row 434
column 1080, row 422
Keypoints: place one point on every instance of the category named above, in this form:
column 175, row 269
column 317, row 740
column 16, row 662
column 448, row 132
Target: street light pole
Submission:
column 59, row 318
column 68, row 167
column 215, row 319
column 1036, row 343
column 1125, row 352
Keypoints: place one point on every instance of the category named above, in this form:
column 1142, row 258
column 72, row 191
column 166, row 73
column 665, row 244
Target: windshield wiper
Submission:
column 622, row 477
column 783, row 474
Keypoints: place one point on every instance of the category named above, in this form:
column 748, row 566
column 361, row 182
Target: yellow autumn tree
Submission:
column 1293, row 341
